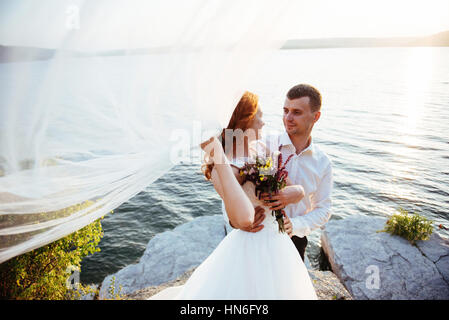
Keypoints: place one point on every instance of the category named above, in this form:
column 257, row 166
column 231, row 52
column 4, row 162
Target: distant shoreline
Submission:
column 17, row 53
column 436, row 40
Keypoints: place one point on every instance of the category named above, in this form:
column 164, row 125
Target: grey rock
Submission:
column 168, row 255
column 437, row 250
column 171, row 256
column 360, row 256
column 326, row 284
column 89, row 295
column 146, row 293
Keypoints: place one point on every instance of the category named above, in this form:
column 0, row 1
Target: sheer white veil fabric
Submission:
column 97, row 114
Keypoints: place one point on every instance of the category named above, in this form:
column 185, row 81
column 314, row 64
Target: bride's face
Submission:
column 257, row 123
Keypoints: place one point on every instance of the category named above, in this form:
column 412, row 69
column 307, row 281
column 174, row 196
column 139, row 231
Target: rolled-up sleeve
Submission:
column 321, row 204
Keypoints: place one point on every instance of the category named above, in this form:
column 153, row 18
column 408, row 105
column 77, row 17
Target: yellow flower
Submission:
column 261, row 177
column 269, row 162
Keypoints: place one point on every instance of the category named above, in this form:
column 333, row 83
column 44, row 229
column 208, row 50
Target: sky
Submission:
column 44, row 23
column 380, row 18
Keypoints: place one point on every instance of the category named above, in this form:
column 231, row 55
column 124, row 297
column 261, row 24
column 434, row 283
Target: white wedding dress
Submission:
column 249, row 266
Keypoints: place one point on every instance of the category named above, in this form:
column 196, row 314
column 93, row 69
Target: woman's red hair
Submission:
column 241, row 118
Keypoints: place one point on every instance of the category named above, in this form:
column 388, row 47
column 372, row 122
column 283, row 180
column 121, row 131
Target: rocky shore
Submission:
column 327, row 286
column 377, row 265
column 365, row 264
column 172, row 256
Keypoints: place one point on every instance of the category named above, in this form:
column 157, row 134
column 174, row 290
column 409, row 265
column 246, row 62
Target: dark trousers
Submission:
column 300, row 244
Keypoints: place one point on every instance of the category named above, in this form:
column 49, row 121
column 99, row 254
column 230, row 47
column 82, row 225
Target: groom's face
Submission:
column 298, row 117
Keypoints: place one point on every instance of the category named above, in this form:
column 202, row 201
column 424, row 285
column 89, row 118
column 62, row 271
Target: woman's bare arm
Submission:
column 238, row 207
column 215, row 179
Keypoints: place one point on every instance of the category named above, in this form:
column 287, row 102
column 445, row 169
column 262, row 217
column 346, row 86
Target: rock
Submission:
column 307, row 262
column 326, row 284
column 437, row 250
column 382, row 266
column 169, row 254
column 146, row 293
column 89, row 295
column 172, row 256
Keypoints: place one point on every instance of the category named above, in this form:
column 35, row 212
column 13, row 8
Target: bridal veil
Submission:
column 100, row 98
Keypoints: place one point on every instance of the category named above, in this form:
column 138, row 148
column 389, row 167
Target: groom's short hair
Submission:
column 306, row 90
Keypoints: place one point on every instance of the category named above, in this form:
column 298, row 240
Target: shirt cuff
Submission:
column 299, row 227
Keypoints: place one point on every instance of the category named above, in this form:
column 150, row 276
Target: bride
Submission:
column 245, row 265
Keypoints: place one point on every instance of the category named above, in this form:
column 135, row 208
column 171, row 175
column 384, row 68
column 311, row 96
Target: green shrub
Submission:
column 42, row 274
column 412, row 227
column 113, row 292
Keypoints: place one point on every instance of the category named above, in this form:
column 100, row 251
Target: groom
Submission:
column 309, row 169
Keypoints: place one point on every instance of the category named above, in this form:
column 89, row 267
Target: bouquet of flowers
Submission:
column 268, row 177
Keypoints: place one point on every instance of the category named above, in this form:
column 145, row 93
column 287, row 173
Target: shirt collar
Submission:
column 285, row 140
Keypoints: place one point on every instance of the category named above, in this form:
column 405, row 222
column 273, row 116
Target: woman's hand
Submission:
column 286, row 196
column 214, row 150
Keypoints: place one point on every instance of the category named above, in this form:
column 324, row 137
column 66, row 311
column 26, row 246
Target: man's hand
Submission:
column 288, row 225
column 258, row 218
column 286, row 196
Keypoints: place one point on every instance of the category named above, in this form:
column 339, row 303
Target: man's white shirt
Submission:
column 312, row 169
